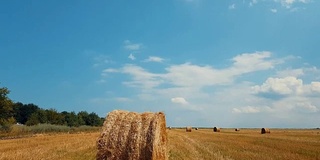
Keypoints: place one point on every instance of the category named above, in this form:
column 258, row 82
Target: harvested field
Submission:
column 282, row 144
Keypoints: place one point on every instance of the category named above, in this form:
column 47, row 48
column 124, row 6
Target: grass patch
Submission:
column 15, row 131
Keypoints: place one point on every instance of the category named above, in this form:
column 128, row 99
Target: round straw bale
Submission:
column 216, row 129
column 188, row 129
column 132, row 136
column 265, row 130
column 237, row 129
column 196, row 128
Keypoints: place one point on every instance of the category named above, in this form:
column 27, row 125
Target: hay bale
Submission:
column 188, row 129
column 196, row 128
column 265, row 130
column 132, row 136
column 216, row 129
column 237, row 129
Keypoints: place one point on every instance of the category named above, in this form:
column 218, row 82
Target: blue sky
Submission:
column 230, row 63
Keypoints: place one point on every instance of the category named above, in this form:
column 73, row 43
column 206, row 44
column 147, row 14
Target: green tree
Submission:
column 94, row 120
column 33, row 119
column 71, row 119
column 54, row 117
column 6, row 107
column 83, row 117
column 40, row 116
column 24, row 111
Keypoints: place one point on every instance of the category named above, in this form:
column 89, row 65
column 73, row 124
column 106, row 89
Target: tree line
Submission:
column 30, row 114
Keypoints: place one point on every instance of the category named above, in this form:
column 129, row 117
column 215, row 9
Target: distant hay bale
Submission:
column 132, row 136
column 237, row 129
column 188, row 129
column 216, row 129
column 265, row 130
column 196, row 128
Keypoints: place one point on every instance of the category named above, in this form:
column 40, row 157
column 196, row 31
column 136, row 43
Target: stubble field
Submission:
column 199, row 144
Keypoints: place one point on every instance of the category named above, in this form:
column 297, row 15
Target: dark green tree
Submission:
column 24, row 111
column 71, row 119
column 40, row 116
column 83, row 117
column 54, row 117
column 94, row 120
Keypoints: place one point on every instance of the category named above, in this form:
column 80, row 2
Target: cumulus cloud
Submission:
column 287, row 86
column 280, row 86
column 132, row 46
column 179, row 100
column 154, row 59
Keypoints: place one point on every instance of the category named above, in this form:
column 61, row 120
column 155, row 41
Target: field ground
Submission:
column 199, row 144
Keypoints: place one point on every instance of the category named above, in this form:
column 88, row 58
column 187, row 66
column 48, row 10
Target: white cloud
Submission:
column 315, row 87
column 232, row 6
column 274, row 10
column 140, row 77
column 179, row 100
column 280, row 86
column 290, row 73
column 307, row 106
column 288, row 3
column 248, row 109
column 154, row 59
column 204, row 89
column 190, row 75
column 249, row 62
column 110, row 70
column 131, row 56
column 132, row 46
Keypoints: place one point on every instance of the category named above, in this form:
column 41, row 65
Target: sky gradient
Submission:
column 230, row 63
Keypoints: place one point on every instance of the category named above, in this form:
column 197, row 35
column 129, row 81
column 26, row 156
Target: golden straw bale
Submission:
column 131, row 136
column 216, row 129
column 188, row 129
column 237, row 129
column 265, row 130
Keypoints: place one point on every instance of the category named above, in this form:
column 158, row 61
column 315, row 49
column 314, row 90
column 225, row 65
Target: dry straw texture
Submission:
column 188, row 129
column 132, row 136
column 265, row 130
column 216, row 129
